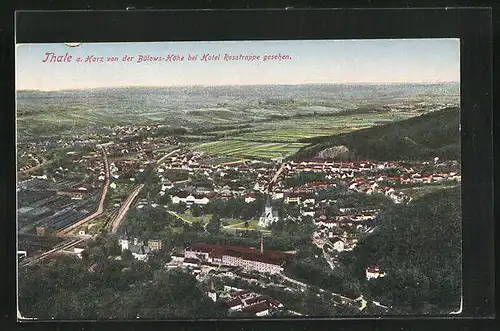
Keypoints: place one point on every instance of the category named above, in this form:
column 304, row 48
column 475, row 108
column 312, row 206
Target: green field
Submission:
column 204, row 219
column 96, row 225
column 248, row 149
column 288, row 135
column 252, row 224
column 226, row 223
column 281, row 137
column 232, row 222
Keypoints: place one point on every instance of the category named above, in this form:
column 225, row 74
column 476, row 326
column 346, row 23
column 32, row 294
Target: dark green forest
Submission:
column 418, row 246
column 65, row 289
column 420, row 138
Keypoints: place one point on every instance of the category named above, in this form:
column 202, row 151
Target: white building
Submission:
column 337, row 244
column 292, row 199
column 277, row 195
column 250, row 198
column 248, row 258
column 374, row 272
column 139, row 250
column 190, row 200
column 309, row 201
column 212, row 295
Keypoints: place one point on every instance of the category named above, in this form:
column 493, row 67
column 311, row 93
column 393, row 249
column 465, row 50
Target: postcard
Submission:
column 238, row 179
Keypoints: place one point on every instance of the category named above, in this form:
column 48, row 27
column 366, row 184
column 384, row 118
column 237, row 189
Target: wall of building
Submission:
column 236, row 261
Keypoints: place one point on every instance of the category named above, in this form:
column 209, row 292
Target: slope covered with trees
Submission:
column 418, row 246
column 66, row 289
column 418, row 138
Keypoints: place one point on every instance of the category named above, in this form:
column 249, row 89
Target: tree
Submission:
column 111, row 246
column 418, row 246
column 313, row 305
column 196, row 211
column 164, row 199
column 180, row 207
column 175, row 294
column 213, row 227
column 157, row 259
column 197, row 227
column 85, row 255
column 127, row 256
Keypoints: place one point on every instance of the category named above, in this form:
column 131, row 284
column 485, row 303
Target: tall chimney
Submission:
column 262, row 244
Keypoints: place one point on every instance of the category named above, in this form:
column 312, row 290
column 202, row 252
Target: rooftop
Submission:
column 190, row 260
column 256, row 308
column 271, row 257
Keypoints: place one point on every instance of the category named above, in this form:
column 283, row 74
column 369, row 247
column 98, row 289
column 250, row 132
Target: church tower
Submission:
column 268, row 216
column 124, row 241
column 212, row 293
column 268, row 210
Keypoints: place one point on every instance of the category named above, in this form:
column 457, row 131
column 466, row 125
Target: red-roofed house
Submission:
column 374, row 272
column 240, row 294
column 250, row 197
column 235, row 304
column 292, row 198
column 260, row 309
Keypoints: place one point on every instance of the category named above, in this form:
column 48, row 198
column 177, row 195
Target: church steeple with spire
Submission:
column 269, row 215
column 124, row 241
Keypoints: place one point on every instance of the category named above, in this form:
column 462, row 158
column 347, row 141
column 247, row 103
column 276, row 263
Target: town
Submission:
column 260, row 179
column 85, row 187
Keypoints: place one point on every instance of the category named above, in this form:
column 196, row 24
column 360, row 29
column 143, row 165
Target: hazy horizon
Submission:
column 250, row 85
column 367, row 61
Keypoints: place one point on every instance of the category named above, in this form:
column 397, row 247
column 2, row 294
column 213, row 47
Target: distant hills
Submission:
column 434, row 134
column 216, row 107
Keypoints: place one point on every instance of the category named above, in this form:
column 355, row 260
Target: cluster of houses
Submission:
column 134, row 139
column 360, row 177
column 248, row 302
column 361, row 221
column 139, row 249
column 34, row 161
column 28, row 151
column 341, row 233
column 357, row 176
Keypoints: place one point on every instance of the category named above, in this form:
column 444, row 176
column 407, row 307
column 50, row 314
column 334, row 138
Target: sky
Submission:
column 311, row 62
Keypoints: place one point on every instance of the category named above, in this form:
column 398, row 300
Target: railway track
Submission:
column 62, row 246
column 114, row 223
